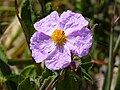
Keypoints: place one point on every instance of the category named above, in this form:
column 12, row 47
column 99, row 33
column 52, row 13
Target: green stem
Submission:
column 117, row 44
column 108, row 76
column 108, row 79
column 110, row 63
column 21, row 61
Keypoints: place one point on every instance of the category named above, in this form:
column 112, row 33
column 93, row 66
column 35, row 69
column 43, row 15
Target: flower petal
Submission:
column 59, row 58
column 80, row 41
column 70, row 21
column 40, row 45
column 48, row 24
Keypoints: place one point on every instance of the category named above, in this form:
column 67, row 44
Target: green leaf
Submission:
column 2, row 78
column 83, row 59
column 3, row 56
column 27, row 19
column 5, row 69
column 15, row 78
column 86, row 75
column 87, row 65
column 46, row 74
column 69, row 82
column 37, row 81
column 86, row 58
column 48, row 6
column 29, row 71
column 26, row 84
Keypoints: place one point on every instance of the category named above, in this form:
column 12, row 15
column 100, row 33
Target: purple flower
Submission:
column 57, row 37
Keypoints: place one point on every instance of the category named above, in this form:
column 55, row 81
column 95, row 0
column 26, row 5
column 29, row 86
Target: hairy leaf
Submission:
column 29, row 71
column 46, row 74
column 69, row 82
column 26, row 84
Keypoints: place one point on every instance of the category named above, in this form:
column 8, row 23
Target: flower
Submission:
column 59, row 36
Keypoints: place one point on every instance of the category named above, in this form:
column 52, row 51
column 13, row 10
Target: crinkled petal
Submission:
column 48, row 24
column 79, row 42
column 59, row 58
column 40, row 45
column 70, row 21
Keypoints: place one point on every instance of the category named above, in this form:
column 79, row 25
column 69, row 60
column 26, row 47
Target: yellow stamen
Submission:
column 58, row 36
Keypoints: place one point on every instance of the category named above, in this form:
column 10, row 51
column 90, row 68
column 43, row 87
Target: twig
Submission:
column 116, row 19
column 54, row 81
column 42, row 3
column 43, row 85
column 102, row 62
column 93, row 27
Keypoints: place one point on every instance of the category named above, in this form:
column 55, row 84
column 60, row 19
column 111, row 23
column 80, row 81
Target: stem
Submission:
column 117, row 44
column 108, row 79
column 21, row 61
column 42, row 3
column 54, row 81
column 43, row 85
column 110, row 63
column 50, row 84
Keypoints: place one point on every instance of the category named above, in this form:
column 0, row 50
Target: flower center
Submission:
column 58, row 36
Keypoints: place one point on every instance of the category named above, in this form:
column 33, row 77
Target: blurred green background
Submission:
column 101, row 12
